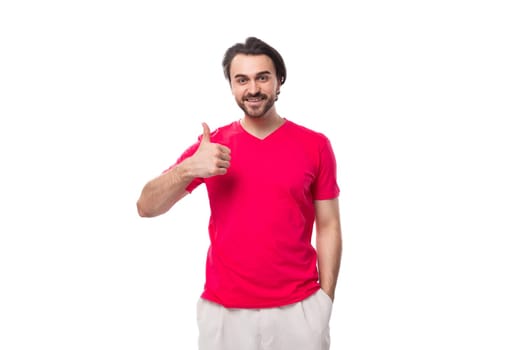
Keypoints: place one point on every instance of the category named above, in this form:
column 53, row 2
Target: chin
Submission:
column 253, row 113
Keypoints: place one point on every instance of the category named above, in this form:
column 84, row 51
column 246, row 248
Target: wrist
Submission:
column 183, row 173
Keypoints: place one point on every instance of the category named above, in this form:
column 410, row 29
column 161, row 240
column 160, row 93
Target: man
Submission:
column 268, row 181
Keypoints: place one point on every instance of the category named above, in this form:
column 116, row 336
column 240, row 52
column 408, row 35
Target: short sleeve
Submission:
column 325, row 185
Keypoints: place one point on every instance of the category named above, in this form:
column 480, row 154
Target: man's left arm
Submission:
column 328, row 243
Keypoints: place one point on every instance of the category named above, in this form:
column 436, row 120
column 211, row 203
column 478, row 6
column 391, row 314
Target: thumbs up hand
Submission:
column 210, row 159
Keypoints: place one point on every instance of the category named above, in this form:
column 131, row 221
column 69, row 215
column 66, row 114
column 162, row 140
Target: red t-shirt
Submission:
column 262, row 215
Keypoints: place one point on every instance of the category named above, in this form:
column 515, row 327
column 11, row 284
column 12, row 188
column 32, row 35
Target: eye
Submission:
column 263, row 77
column 241, row 80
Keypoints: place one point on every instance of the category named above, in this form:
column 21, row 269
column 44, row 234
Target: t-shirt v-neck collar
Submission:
column 269, row 136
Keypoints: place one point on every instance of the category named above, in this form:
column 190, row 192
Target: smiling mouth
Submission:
column 256, row 98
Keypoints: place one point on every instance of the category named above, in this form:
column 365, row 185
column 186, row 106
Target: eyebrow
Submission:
column 266, row 72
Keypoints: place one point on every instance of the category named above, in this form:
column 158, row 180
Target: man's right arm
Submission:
column 161, row 193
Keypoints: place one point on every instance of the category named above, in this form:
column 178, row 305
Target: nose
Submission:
column 253, row 87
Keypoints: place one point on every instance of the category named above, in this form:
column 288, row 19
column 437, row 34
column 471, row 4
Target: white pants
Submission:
column 300, row 326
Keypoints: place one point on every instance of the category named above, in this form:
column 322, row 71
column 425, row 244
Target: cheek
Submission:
column 272, row 88
column 236, row 91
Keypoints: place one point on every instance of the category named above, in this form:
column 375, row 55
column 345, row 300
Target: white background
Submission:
column 423, row 102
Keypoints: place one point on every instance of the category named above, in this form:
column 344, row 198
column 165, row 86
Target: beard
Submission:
column 259, row 111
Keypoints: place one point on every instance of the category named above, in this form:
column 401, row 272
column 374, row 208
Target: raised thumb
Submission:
column 205, row 133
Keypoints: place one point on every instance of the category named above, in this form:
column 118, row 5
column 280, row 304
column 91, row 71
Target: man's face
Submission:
column 254, row 83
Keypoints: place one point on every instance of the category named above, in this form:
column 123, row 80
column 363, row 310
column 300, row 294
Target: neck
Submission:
column 262, row 126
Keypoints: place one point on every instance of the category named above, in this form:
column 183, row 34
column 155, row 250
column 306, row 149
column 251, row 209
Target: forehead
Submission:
column 251, row 65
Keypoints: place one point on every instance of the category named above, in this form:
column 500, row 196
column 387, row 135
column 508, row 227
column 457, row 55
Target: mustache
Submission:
column 257, row 95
